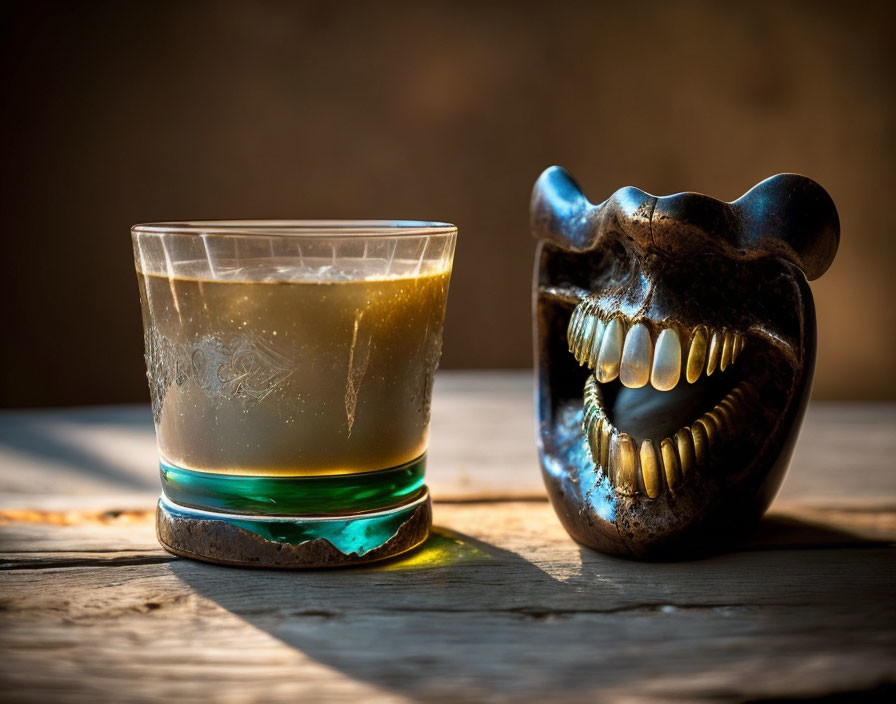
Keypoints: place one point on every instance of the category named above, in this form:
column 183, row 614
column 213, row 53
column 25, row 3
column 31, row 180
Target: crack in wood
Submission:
column 47, row 564
column 75, row 552
column 534, row 612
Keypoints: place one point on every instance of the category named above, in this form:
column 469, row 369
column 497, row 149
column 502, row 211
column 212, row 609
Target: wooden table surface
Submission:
column 499, row 605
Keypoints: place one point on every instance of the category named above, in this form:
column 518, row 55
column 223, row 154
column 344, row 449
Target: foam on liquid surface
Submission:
column 299, row 269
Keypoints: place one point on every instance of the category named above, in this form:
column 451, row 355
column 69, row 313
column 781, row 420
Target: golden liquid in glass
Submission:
column 290, row 376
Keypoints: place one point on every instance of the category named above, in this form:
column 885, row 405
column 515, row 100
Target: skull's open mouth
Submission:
column 671, row 411
column 662, row 402
column 675, row 342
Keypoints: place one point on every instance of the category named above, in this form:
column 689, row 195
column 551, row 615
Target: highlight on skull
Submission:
column 676, row 347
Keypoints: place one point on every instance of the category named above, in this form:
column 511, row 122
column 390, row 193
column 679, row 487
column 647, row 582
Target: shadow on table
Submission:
column 36, row 434
column 464, row 620
column 781, row 532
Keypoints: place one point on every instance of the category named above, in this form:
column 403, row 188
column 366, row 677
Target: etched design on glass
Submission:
column 161, row 363
column 239, row 366
column 432, row 344
column 245, row 366
column 358, row 357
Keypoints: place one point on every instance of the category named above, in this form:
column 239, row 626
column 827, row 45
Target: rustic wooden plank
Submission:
column 482, row 437
column 55, row 524
column 77, row 523
column 846, row 454
column 482, row 445
column 499, row 606
column 78, row 451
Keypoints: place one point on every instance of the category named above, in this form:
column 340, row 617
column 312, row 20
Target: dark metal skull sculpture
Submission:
column 676, row 348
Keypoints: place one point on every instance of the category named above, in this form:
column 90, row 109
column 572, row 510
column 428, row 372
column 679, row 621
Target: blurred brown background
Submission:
column 123, row 112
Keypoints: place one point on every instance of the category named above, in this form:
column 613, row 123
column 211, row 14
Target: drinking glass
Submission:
column 290, row 366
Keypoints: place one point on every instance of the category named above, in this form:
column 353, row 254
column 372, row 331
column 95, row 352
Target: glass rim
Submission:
column 298, row 228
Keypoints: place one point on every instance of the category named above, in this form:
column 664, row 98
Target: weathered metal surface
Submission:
column 680, row 330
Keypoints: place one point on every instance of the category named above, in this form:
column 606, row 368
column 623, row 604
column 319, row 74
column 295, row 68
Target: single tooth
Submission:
column 590, row 418
column 729, row 409
column 728, row 424
column 712, row 356
column 670, row 464
column 574, row 316
column 684, row 440
column 585, row 337
column 611, row 466
column 710, row 430
column 589, row 413
column 594, row 348
column 666, row 361
column 727, row 342
column 701, row 443
column 724, row 419
column 634, row 372
column 738, row 346
column 622, row 461
column 697, row 354
column 610, row 352
column 650, row 470
column 713, row 425
column 593, row 412
column 591, row 387
column 605, row 434
column 575, row 320
column 594, row 440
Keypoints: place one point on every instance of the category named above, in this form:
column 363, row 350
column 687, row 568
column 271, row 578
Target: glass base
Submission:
column 328, row 495
column 293, row 541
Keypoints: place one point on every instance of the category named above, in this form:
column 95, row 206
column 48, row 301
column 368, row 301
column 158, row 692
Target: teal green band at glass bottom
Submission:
column 354, row 534
column 289, row 496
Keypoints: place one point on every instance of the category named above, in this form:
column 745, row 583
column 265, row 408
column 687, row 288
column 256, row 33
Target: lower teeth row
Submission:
column 653, row 468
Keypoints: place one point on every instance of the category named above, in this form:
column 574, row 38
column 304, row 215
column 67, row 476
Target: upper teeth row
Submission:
column 616, row 346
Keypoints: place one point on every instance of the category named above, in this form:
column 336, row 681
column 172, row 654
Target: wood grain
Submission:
column 482, row 445
column 499, row 605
